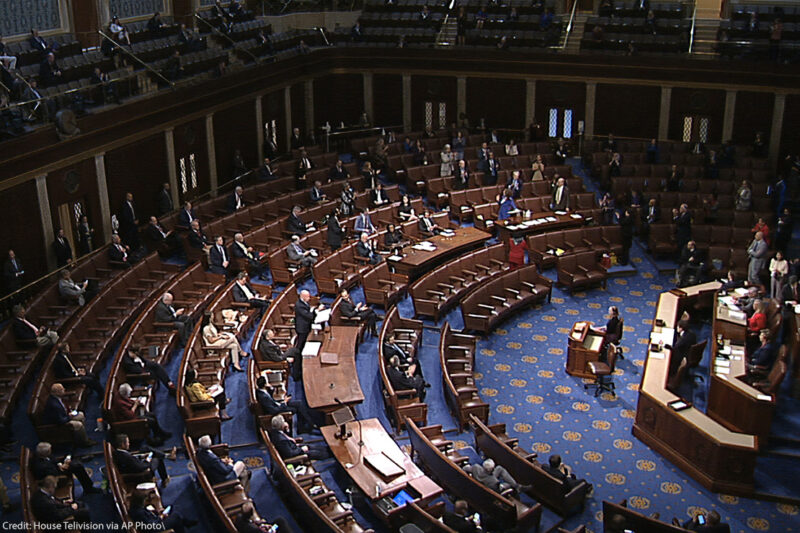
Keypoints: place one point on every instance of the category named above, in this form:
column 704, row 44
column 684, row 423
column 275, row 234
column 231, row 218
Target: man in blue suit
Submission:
column 218, row 469
column 218, row 259
column 287, row 447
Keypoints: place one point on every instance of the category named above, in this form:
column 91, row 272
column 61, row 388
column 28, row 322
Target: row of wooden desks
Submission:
column 329, row 369
column 415, row 261
column 719, row 458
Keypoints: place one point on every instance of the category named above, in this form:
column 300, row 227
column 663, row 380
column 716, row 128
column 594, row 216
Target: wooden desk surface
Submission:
column 324, row 382
column 417, row 260
column 561, row 221
column 377, row 441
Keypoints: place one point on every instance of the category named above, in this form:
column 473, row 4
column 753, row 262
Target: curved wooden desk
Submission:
column 718, row 458
column 583, row 347
column 417, row 261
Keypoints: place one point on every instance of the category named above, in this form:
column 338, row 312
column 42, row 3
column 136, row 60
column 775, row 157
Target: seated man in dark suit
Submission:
column 218, row 260
column 265, row 172
column 271, row 350
column 124, row 407
column 304, row 164
column 264, row 394
column 350, row 309
column 338, row 172
column 133, row 363
column 218, row 469
column 459, row 519
column 187, row 215
column 244, row 292
column 691, row 265
column 405, row 380
column 427, row 226
column 317, row 196
column 56, row 413
column 564, row 474
column 247, row 523
column 26, row 331
column 119, row 252
column 49, row 71
column 147, row 461
column 365, row 248
column 685, row 339
column 378, row 196
column 64, row 370
column 236, row 200
column 165, row 200
column 153, row 521
column 287, row 446
column 294, row 223
column 50, row 510
column 42, row 465
column 165, row 313
column 241, row 250
column 197, row 239
column 166, row 241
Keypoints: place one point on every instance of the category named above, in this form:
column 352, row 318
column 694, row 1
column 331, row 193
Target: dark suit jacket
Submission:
column 238, row 293
column 373, row 197
column 316, row 194
column 162, row 314
column 363, row 251
column 129, row 463
column 295, row 225
column 49, row 509
column 338, row 174
column 764, row 355
column 126, row 216
column 271, row 351
column 10, row 274
column 21, row 330
column 265, row 173
column 197, row 240
column 462, row 177
column 115, row 254
column 216, row 471
column 61, row 367
column 390, row 351
column 459, row 523
column 564, row 203
column 154, row 235
column 656, row 213
column 297, row 141
column 54, row 412
column 183, row 217
column 244, row 525
column 232, row 202
column 680, row 349
column 215, row 260
column 421, row 225
column 43, row 467
column 401, row 381
column 335, row 232
column 132, row 367
column 683, row 227
column 348, row 309
column 269, row 404
column 284, row 444
column 143, row 515
column 516, row 190
column 63, row 251
column 164, row 202
column 303, row 317
column 37, row 43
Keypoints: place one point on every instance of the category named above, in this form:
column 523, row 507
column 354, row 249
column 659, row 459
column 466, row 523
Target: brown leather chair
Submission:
column 602, row 374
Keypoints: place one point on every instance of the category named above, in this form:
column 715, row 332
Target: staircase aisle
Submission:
column 705, row 31
column 448, row 33
column 574, row 40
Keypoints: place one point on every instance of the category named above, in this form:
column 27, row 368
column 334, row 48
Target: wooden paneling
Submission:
column 790, row 140
column 627, row 110
column 753, row 113
column 338, row 98
column 387, row 91
column 190, row 138
column 299, row 107
column 20, row 206
column 697, row 102
column 86, row 22
column 76, row 183
column 235, row 128
column 182, row 11
column 497, row 101
column 138, row 168
column 560, row 95
column 435, row 89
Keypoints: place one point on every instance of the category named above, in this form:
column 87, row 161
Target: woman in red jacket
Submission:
column 516, row 251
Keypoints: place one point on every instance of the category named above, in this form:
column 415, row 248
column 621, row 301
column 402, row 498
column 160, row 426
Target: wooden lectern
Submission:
column 583, row 348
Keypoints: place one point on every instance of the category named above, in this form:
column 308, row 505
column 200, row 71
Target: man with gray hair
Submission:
column 494, row 477
column 123, row 407
column 219, row 469
column 166, row 314
column 297, row 253
column 69, row 290
column 303, row 318
column 42, row 464
column 57, row 413
column 287, row 446
column 25, row 330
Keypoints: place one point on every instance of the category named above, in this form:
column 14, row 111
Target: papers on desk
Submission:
column 447, row 233
column 311, row 349
column 560, row 212
column 741, row 291
column 576, row 215
column 215, row 389
column 425, row 246
column 322, row 316
column 797, row 309
column 656, row 355
column 725, row 350
column 514, row 227
column 488, row 222
column 721, row 362
column 666, row 335
column 395, row 258
column 552, row 219
column 727, row 301
column 764, row 397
